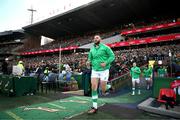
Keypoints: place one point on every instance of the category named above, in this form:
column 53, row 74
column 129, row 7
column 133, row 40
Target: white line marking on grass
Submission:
column 55, row 105
column 13, row 115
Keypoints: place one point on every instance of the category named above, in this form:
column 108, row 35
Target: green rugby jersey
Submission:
column 135, row 72
column 100, row 54
column 147, row 73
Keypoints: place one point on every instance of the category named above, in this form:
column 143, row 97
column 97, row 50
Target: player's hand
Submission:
column 103, row 64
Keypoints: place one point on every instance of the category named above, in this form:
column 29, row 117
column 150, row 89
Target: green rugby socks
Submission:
column 94, row 98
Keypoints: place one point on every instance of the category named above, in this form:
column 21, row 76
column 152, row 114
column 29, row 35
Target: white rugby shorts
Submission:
column 147, row 78
column 102, row 75
column 137, row 80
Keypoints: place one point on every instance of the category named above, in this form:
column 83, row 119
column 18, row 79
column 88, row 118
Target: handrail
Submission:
column 119, row 77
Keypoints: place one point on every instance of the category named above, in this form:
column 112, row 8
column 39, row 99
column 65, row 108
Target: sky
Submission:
column 14, row 14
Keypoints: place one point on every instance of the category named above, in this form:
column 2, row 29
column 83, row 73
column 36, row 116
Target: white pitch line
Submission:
column 58, row 106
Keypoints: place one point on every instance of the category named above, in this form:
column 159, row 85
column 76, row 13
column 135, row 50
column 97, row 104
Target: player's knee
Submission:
column 94, row 87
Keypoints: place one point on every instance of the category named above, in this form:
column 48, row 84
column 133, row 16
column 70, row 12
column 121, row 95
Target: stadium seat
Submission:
column 51, row 83
column 167, row 96
column 175, row 85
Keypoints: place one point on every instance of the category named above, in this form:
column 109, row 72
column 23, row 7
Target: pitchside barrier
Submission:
column 18, row 86
column 78, row 78
column 6, row 84
column 163, row 82
column 122, row 81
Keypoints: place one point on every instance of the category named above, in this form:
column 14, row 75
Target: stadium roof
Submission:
column 11, row 35
column 102, row 14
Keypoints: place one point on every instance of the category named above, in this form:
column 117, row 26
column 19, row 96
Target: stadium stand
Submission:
column 153, row 39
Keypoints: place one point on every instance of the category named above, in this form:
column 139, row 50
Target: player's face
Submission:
column 97, row 39
column 134, row 64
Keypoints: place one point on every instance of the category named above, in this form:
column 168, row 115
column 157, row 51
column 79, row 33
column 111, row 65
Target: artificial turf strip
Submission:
column 67, row 107
column 14, row 102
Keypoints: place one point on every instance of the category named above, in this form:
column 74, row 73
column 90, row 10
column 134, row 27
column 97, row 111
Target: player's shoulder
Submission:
column 92, row 48
column 105, row 46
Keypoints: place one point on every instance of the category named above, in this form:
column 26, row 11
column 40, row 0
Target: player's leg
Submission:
column 151, row 81
column 147, row 83
column 138, row 85
column 94, row 86
column 103, row 87
column 104, row 76
column 133, row 86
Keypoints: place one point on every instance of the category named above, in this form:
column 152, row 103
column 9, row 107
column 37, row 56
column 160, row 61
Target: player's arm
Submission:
column 89, row 59
column 138, row 71
column 111, row 56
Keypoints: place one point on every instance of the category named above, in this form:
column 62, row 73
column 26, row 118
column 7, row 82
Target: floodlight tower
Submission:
column 32, row 12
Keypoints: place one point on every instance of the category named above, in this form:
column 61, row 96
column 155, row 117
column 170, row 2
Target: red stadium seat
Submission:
column 167, row 96
column 175, row 84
